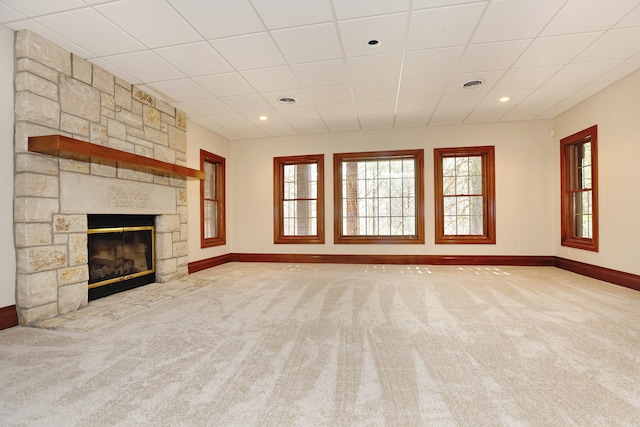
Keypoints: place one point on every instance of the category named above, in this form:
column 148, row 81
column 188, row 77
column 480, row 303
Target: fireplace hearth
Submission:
column 121, row 253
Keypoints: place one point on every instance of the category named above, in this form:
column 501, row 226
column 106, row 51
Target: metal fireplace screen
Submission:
column 120, row 253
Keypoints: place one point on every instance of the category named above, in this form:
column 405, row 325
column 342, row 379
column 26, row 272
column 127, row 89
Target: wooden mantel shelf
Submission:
column 70, row 148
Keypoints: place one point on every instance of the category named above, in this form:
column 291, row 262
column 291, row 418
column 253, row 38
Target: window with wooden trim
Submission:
column 465, row 209
column 299, row 199
column 379, row 197
column 212, row 200
column 579, row 188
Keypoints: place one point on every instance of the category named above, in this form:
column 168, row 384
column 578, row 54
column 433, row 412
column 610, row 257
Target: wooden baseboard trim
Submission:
column 616, row 277
column 209, row 262
column 397, row 259
column 8, row 317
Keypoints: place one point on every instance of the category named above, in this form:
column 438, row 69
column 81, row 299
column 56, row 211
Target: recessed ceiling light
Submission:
column 286, row 100
column 373, row 43
column 263, row 118
column 472, row 84
column 504, row 99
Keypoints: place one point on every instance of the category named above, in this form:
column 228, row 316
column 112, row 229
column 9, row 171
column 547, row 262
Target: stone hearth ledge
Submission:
column 113, row 308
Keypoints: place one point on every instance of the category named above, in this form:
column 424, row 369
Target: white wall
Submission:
column 616, row 111
column 7, row 249
column 198, row 138
column 524, row 175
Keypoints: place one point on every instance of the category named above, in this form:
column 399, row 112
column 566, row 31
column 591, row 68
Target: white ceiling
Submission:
column 227, row 62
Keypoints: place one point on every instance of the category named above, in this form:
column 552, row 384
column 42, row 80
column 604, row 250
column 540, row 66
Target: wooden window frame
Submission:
column 339, row 237
column 208, row 157
column 278, row 199
column 487, row 153
column 568, row 231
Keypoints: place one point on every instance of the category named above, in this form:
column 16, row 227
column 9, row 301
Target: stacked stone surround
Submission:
column 60, row 93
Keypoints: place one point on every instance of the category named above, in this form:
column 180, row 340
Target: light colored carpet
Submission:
column 317, row 344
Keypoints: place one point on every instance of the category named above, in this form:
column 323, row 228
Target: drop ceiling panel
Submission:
column 432, row 62
column 226, row 84
column 372, row 91
column 286, row 13
column 271, row 79
column 208, row 107
column 181, row 90
column 423, row 86
column 555, row 50
column 490, row 109
column 249, row 51
column 454, row 108
column 377, row 121
column 423, row 105
column 342, row 124
column 98, row 35
column 210, row 124
column 115, row 70
column 376, row 107
column 615, row 44
column 443, row 27
column 333, row 111
column 300, row 113
column 146, row 66
column 515, row 19
column 324, row 73
column 219, row 18
column 8, row 14
column 491, row 56
column 631, row 20
column 346, row 9
column 310, row 43
column 389, row 30
column 336, row 94
column 423, row 4
column 518, row 78
column 580, row 16
column 152, row 22
column 309, row 127
column 581, row 73
column 31, row 25
column 42, row 7
column 244, row 103
column 375, row 68
column 539, row 101
column 209, row 61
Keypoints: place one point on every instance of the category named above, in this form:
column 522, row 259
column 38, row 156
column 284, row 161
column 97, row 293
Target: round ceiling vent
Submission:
column 286, row 100
column 473, row 83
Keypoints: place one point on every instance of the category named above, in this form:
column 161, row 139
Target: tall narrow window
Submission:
column 379, row 197
column 579, row 187
column 465, row 195
column 299, row 199
column 212, row 201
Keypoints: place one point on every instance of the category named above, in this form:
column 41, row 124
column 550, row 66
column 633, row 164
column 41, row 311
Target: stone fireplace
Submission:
column 58, row 93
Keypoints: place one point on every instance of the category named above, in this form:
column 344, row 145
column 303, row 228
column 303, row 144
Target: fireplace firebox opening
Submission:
column 121, row 253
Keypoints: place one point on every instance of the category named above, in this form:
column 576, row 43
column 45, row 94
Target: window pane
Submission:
column 475, row 165
column 449, row 185
column 464, row 195
column 462, row 205
column 449, row 166
column 475, row 185
column 299, row 190
column 462, row 184
column 450, row 206
column 209, row 219
column 381, row 191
